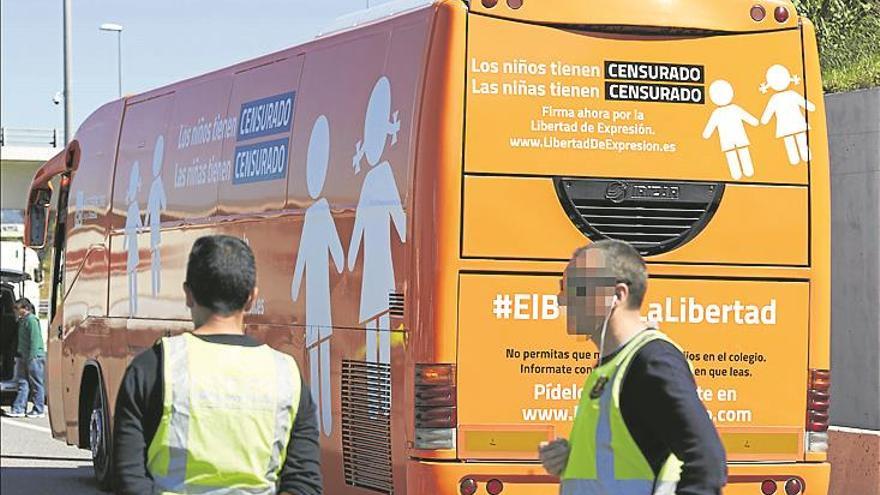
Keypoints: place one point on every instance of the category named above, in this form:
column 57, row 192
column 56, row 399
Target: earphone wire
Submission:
column 605, row 329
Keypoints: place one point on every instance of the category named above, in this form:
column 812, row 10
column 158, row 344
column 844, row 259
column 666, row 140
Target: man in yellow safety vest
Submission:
column 213, row 411
column 640, row 427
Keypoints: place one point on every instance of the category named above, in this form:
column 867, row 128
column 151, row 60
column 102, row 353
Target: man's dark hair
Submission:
column 221, row 273
column 25, row 303
column 625, row 264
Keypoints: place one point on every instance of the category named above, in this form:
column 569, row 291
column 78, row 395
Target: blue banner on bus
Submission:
column 260, row 162
column 266, row 116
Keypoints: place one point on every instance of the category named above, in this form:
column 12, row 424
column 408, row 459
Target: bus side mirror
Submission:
column 36, row 222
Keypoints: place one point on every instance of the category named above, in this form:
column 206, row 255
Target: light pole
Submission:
column 67, row 67
column 118, row 30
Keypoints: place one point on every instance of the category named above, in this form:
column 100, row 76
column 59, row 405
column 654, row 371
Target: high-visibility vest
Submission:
column 227, row 412
column 604, row 458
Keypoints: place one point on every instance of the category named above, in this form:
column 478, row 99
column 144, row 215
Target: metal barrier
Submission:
column 10, row 136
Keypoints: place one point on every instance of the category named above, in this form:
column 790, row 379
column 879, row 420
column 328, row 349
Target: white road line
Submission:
column 857, row 431
column 27, row 426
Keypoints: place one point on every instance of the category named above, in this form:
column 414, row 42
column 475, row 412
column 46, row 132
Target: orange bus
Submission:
column 487, row 140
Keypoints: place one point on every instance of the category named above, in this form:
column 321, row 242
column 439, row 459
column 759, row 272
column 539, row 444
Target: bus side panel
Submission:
column 360, row 94
column 437, row 208
column 86, row 260
column 820, row 207
column 168, row 174
column 86, row 255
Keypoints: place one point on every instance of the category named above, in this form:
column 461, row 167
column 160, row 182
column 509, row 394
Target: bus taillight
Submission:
column 467, row 487
column 435, row 403
column 494, row 487
column 794, row 486
column 818, row 403
column 757, row 12
column 768, row 487
column 781, row 14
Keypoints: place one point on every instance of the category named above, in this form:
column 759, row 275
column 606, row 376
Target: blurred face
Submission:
column 21, row 311
column 587, row 291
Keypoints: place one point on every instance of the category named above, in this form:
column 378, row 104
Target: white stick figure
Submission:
column 786, row 105
column 155, row 206
column 319, row 241
column 378, row 207
column 133, row 225
column 728, row 120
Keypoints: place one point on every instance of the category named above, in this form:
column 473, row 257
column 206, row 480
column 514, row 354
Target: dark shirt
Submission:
column 659, row 404
column 139, row 409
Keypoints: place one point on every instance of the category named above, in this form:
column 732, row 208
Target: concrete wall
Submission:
column 854, row 139
column 854, row 441
column 15, row 181
column 17, row 166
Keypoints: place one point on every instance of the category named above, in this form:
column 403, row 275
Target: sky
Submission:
column 162, row 41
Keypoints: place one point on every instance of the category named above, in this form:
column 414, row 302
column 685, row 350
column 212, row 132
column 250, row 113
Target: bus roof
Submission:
column 340, row 26
column 691, row 15
column 368, row 16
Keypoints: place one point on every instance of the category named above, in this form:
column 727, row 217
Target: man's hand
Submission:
column 554, row 455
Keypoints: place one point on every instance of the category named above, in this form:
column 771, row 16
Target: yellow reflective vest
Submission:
column 227, row 415
column 604, row 458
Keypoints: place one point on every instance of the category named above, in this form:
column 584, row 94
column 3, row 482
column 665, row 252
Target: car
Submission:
column 10, row 283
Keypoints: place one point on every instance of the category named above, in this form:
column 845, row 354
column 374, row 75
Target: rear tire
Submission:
column 100, row 441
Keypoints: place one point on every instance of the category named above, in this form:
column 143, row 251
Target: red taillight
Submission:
column 820, row 380
column 768, row 487
column 817, row 426
column 494, row 486
column 437, row 417
column 758, row 13
column 467, row 487
column 435, row 406
column 490, row 3
column 780, row 14
column 794, row 487
column 514, row 4
column 818, row 400
column 817, row 416
column 435, row 374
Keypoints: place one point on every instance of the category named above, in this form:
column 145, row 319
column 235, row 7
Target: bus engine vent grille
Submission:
column 395, row 304
column 654, row 216
column 366, row 425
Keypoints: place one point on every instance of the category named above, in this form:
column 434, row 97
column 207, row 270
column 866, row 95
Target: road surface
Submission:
column 31, row 462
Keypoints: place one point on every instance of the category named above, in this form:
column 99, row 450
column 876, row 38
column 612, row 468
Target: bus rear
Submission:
column 694, row 130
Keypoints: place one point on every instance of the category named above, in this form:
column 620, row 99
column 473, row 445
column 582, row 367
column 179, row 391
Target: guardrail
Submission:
column 12, row 136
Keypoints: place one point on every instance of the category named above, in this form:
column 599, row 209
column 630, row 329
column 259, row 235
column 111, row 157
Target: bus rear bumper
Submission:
column 530, row 479
column 746, row 479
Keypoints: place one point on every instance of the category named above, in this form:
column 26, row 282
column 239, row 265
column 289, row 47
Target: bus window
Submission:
column 257, row 136
column 143, row 132
column 86, row 245
column 192, row 164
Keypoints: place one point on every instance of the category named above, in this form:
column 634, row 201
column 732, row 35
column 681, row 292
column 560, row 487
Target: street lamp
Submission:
column 118, row 30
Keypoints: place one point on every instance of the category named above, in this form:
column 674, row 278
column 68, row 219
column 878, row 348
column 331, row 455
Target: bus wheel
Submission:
column 99, row 441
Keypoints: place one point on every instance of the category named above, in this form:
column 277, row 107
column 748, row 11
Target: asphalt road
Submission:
column 33, row 463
